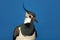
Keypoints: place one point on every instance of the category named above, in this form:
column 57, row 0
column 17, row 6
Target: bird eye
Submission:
column 30, row 16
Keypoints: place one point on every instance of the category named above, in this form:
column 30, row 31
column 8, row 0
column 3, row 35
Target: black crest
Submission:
column 29, row 12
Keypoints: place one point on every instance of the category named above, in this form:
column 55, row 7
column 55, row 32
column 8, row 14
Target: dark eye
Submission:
column 29, row 16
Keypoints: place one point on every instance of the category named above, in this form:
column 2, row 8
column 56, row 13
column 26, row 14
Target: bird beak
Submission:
column 35, row 20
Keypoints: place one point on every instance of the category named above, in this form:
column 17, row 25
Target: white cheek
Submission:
column 27, row 20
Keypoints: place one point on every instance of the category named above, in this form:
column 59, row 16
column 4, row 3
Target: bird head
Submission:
column 29, row 17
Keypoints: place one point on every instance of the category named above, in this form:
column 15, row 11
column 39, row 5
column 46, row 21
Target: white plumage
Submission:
column 27, row 20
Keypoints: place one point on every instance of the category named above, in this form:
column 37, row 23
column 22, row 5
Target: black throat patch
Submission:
column 27, row 29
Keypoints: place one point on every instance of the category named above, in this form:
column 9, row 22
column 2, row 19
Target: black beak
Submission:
column 36, row 20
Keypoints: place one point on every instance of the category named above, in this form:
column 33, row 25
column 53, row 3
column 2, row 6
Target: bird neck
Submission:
column 29, row 24
column 27, row 29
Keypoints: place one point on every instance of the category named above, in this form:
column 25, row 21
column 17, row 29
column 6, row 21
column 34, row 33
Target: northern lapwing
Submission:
column 26, row 31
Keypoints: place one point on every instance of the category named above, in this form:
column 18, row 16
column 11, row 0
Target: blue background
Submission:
column 47, row 12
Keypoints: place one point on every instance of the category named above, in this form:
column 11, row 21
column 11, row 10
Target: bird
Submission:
column 26, row 30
